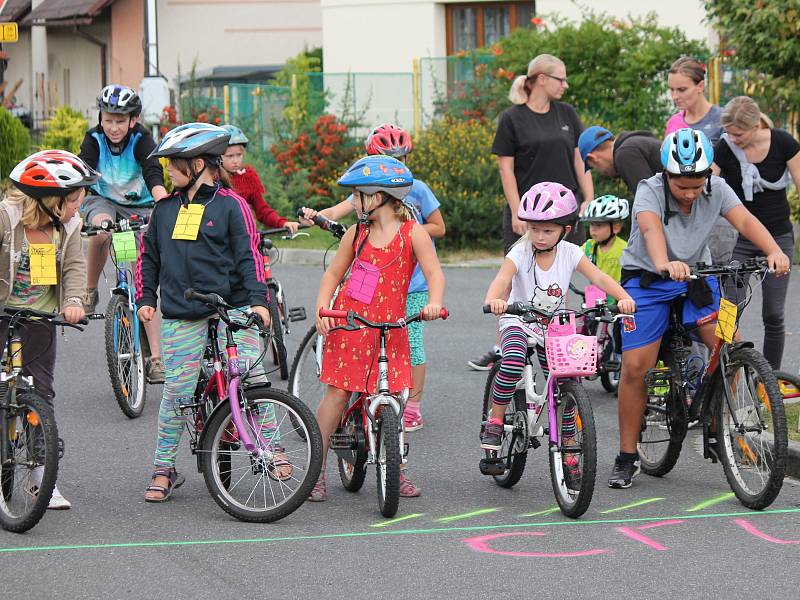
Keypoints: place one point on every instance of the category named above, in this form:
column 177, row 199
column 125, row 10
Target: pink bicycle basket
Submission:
column 593, row 295
column 570, row 354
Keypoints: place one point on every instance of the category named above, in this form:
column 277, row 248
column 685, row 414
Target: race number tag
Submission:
column 124, row 246
column 726, row 320
column 43, row 264
column 187, row 225
column 364, row 279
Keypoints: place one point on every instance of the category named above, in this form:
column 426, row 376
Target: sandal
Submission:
column 408, row 489
column 176, row 480
column 277, row 469
column 320, row 491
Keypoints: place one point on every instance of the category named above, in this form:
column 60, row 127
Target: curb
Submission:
column 297, row 256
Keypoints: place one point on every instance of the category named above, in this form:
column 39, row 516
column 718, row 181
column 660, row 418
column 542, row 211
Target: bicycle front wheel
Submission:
column 387, row 462
column 304, row 380
column 278, row 346
column 270, row 487
column 573, row 476
column 664, row 428
column 516, row 446
column 29, row 457
column 124, row 357
column 752, row 429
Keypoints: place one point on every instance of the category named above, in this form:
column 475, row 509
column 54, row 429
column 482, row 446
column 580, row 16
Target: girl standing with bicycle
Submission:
column 539, row 266
column 380, row 252
column 203, row 236
column 41, row 216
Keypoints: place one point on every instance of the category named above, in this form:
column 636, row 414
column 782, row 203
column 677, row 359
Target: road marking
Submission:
column 631, row 505
column 397, row 520
column 711, row 502
column 547, row 511
column 389, row 532
column 468, row 515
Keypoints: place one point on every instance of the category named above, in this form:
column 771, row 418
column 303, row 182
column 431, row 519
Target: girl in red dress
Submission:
column 387, row 240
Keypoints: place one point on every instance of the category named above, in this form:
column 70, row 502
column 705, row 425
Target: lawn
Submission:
column 792, row 414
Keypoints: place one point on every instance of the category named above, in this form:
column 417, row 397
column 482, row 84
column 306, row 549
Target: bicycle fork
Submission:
column 385, row 399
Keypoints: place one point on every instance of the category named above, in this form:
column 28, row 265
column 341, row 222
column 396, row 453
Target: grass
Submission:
column 792, row 414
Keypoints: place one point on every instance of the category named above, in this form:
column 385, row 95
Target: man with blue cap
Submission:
column 632, row 155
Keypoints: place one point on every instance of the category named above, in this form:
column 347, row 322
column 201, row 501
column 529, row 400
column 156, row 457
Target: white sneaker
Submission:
column 58, row 502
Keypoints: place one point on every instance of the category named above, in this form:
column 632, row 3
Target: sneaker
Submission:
column 90, row 303
column 572, row 472
column 412, row 419
column 485, row 361
column 408, row 489
column 320, row 491
column 58, row 502
column 155, row 370
column 623, row 474
column 492, row 436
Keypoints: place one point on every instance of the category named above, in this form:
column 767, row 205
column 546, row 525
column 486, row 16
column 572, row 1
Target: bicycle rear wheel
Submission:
column 278, row 346
column 754, row 461
column 519, row 450
column 664, row 425
column 387, row 462
column 255, row 489
column 124, row 357
column 29, row 456
column 304, row 380
column 573, row 476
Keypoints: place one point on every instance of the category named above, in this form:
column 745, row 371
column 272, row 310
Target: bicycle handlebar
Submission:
column 520, row 309
column 735, row 267
column 221, row 307
column 109, row 226
column 29, row 315
column 336, row 229
column 353, row 316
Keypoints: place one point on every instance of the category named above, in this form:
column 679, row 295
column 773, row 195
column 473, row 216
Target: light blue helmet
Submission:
column 373, row 174
column 193, row 140
column 237, row 135
column 687, row 152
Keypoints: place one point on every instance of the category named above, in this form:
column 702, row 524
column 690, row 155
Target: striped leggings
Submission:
column 182, row 347
column 514, row 348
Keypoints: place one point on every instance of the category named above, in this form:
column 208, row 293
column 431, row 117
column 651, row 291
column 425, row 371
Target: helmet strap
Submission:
column 364, row 218
column 56, row 221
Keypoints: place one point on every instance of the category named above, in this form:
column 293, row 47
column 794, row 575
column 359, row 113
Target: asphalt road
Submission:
column 679, row 536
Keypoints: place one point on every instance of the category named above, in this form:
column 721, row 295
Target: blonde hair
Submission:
column 370, row 201
column 743, row 112
column 32, row 213
column 690, row 67
column 544, row 64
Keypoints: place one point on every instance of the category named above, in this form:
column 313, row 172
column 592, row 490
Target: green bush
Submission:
column 15, row 142
column 65, row 131
column 453, row 158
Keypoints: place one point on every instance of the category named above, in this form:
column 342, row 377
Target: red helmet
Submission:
column 388, row 139
column 52, row 173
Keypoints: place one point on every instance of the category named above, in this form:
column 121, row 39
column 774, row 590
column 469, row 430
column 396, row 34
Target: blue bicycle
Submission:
column 125, row 340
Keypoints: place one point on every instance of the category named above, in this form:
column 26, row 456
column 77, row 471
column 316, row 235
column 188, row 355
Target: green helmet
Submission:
column 606, row 209
column 237, row 135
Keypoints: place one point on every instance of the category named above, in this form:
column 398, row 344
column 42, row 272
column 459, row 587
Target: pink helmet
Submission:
column 548, row 202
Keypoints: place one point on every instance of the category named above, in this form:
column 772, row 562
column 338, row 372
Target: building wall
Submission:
column 126, row 53
column 234, row 32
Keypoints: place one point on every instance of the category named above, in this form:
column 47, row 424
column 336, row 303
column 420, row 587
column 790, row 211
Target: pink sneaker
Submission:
column 408, row 489
column 320, row 491
column 412, row 419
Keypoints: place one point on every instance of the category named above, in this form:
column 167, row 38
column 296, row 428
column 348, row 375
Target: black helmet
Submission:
column 120, row 100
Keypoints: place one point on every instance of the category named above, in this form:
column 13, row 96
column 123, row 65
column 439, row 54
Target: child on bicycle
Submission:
column 43, row 209
column 119, row 147
column 246, row 182
column 673, row 215
column 219, row 254
column 391, row 140
column 387, row 241
column 540, row 264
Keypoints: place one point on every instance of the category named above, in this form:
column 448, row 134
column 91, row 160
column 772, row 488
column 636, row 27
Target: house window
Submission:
column 473, row 25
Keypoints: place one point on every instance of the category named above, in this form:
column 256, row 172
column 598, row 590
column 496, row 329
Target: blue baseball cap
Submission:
column 590, row 139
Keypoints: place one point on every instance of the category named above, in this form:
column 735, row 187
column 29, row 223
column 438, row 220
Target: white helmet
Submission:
column 687, row 152
column 604, row 209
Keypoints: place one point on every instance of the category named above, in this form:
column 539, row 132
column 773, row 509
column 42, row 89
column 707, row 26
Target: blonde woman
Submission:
column 758, row 162
column 43, row 209
column 537, row 140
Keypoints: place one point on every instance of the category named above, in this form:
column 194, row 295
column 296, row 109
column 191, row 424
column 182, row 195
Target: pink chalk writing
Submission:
column 481, row 544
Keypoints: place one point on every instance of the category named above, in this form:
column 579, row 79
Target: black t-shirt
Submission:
column 637, row 156
column 543, row 145
column 770, row 206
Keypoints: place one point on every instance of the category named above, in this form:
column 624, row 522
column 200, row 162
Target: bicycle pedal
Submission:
column 492, row 466
column 298, row 313
column 343, row 441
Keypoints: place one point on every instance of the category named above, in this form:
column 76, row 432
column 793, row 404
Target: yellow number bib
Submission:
column 726, row 320
column 187, row 225
column 43, row 264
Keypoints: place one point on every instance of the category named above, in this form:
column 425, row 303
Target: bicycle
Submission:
column 279, row 314
column 240, row 429
column 371, row 428
column 570, row 357
column 608, row 365
column 307, row 363
column 733, row 428
column 125, row 339
column 29, row 444
column 789, row 386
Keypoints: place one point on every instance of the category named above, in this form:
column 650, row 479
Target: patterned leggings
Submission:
column 514, row 348
column 182, row 347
